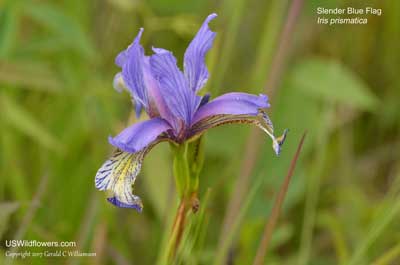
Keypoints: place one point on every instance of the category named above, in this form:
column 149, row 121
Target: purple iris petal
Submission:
column 232, row 103
column 173, row 86
column 139, row 135
column 196, row 71
column 176, row 113
column 121, row 57
column 131, row 62
column 118, row 203
column 261, row 99
column 155, row 98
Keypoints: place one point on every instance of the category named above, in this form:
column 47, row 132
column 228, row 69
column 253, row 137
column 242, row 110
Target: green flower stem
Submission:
column 188, row 161
column 181, row 169
column 195, row 155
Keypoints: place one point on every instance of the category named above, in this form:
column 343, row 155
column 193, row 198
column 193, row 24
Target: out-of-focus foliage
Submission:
column 340, row 83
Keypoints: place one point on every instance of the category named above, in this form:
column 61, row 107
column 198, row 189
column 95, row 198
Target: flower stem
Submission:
column 181, row 169
column 169, row 250
column 177, row 231
column 188, row 161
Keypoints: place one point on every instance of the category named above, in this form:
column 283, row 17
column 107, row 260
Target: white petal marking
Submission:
column 118, row 174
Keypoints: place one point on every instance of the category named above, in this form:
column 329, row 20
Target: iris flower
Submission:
column 176, row 112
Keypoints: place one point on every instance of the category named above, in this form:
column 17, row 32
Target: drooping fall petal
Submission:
column 118, row 174
column 138, row 136
column 232, row 103
column 236, row 108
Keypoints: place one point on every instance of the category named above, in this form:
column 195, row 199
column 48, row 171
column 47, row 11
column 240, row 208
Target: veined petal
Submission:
column 138, row 136
column 260, row 100
column 119, row 85
column 157, row 104
column 196, row 72
column 118, row 174
column 232, row 103
column 236, row 108
column 136, row 76
column 131, row 62
column 181, row 101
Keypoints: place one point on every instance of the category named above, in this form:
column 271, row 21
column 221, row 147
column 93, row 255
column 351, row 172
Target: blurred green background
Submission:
column 341, row 83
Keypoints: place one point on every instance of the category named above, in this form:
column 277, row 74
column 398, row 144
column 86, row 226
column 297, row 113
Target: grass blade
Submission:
column 269, row 227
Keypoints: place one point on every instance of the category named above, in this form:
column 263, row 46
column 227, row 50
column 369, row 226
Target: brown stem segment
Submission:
column 270, row 225
column 194, row 202
column 180, row 224
column 191, row 203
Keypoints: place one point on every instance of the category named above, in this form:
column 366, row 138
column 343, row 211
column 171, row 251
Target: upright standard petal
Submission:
column 236, row 108
column 181, row 101
column 156, row 101
column 196, row 71
column 119, row 85
column 131, row 62
column 136, row 76
column 138, row 136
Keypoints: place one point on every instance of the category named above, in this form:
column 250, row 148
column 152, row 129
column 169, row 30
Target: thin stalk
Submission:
column 237, row 8
column 279, row 61
column 176, row 234
column 190, row 240
column 253, row 141
column 164, row 246
column 178, row 226
column 269, row 227
column 268, row 42
column 188, row 197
